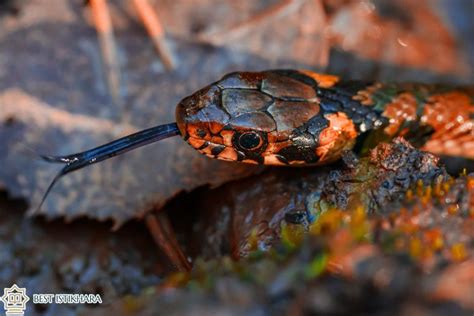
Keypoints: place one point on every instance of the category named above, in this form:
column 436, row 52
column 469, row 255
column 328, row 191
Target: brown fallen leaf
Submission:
column 52, row 101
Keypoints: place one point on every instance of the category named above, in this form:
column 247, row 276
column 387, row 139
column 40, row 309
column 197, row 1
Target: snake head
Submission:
column 272, row 117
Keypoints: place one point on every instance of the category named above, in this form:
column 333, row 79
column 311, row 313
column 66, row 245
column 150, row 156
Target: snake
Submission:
column 292, row 117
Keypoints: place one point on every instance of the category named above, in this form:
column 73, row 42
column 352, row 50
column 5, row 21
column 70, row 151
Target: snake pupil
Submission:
column 250, row 140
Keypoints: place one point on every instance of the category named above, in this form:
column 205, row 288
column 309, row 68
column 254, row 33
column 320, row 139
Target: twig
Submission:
column 103, row 25
column 155, row 29
column 162, row 232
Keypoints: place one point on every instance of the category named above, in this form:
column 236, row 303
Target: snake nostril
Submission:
column 201, row 132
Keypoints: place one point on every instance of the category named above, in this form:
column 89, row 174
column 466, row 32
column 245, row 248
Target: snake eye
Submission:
column 250, row 141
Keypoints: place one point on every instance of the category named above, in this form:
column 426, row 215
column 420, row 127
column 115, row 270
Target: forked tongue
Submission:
column 117, row 147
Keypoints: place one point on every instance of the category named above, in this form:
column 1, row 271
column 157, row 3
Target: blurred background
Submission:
column 75, row 74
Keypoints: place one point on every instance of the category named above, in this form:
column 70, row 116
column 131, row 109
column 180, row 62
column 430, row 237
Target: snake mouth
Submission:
column 230, row 153
column 214, row 149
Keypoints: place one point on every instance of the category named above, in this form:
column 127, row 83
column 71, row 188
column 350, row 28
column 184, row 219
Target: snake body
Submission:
column 299, row 117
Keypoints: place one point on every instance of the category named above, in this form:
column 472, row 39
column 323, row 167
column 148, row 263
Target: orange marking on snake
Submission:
column 402, row 108
column 365, row 96
column 323, row 80
column 196, row 142
column 454, row 130
column 337, row 138
column 228, row 153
